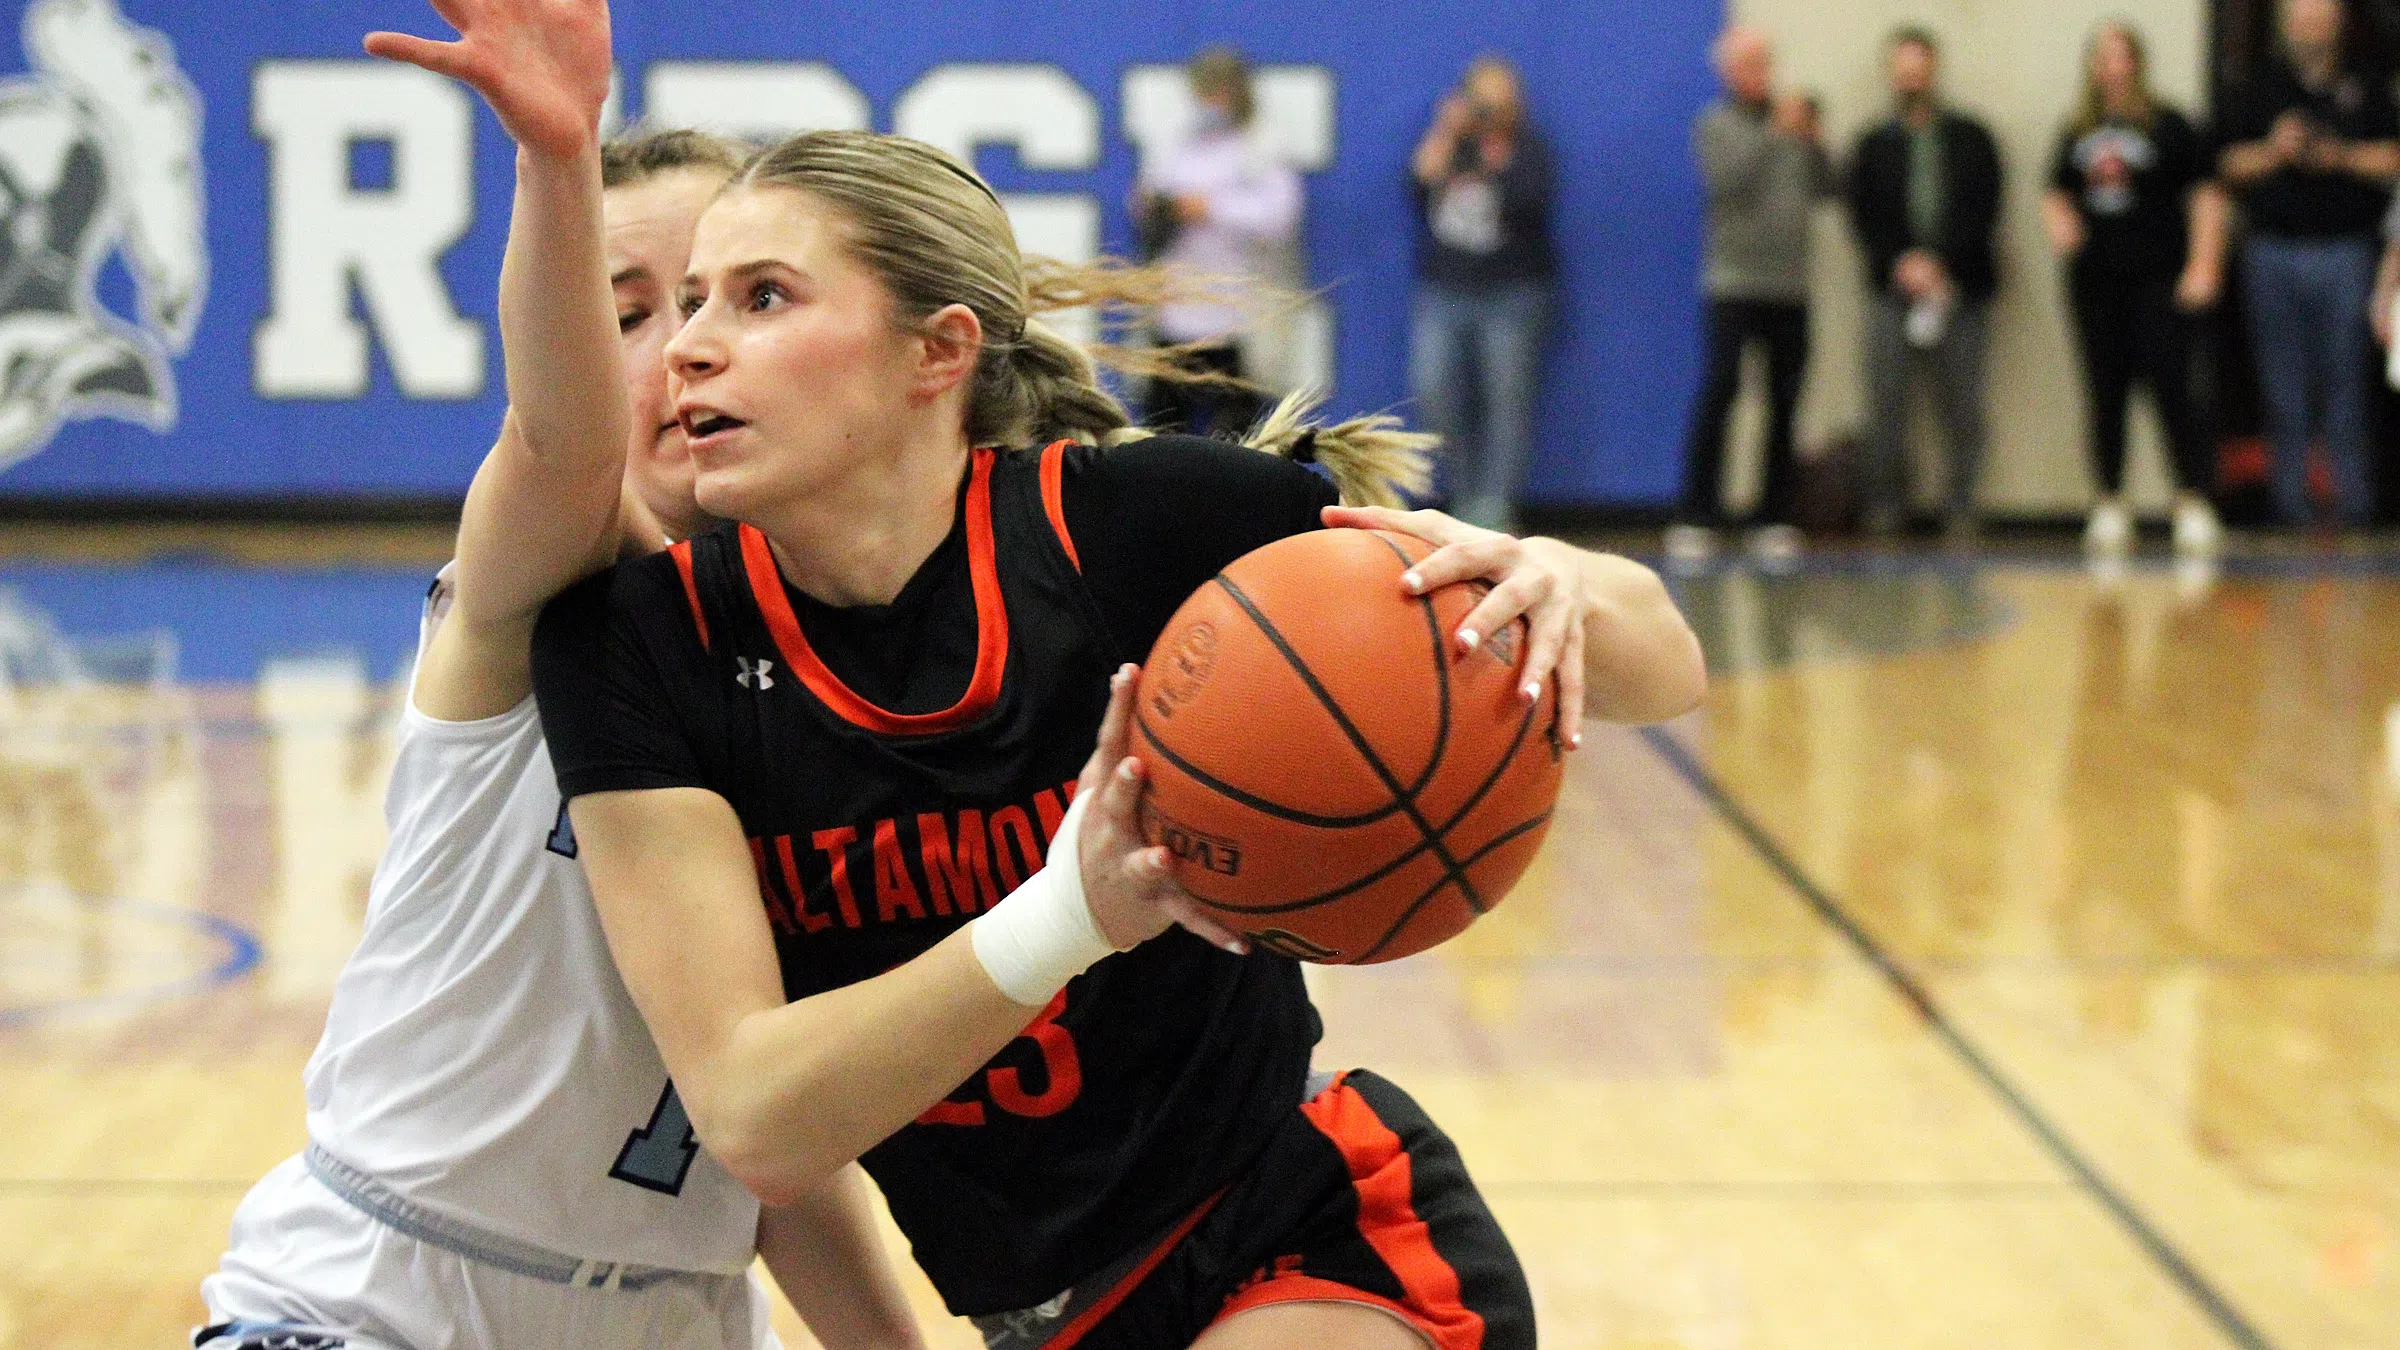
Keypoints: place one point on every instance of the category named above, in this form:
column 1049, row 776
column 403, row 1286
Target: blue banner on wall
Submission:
column 242, row 260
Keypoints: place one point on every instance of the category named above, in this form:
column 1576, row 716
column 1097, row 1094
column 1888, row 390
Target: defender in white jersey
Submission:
column 496, row 1157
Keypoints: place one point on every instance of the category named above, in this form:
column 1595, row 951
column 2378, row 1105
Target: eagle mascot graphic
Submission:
column 99, row 155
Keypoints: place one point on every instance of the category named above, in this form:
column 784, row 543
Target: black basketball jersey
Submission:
column 1157, row 1075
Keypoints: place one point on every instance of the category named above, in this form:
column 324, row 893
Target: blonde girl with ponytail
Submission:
column 806, row 753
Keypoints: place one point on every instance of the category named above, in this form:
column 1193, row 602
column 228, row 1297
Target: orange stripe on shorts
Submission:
column 1387, row 1217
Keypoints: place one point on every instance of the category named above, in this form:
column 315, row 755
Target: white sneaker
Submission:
column 2109, row 533
column 2198, row 533
column 2196, row 579
column 1690, row 543
column 1777, row 545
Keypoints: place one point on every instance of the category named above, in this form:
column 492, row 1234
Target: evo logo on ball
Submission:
column 1209, row 852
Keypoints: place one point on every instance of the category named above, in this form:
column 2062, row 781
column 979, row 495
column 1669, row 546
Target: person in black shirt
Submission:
column 1481, row 179
column 830, row 755
column 2312, row 152
column 2132, row 209
column 1925, row 203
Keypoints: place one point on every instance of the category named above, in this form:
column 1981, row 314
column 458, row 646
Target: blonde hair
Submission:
column 2092, row 110
column 640, row 155
column 935, row 235
column 1224, row 71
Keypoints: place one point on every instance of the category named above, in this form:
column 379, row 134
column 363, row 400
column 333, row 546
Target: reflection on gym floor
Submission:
column 2004, row 954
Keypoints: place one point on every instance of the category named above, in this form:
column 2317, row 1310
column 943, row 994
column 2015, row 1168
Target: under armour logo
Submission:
column 754, row 673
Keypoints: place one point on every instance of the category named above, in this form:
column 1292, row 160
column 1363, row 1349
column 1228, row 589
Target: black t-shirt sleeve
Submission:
column 2379, row 119
column 608, row 710
column 1525, row 183
column 2251, row 113
column 1154, row 520
column 2182, row 156
column 2064, row 176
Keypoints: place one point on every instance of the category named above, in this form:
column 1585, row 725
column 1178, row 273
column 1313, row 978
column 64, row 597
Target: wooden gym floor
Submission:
column 2006, row 957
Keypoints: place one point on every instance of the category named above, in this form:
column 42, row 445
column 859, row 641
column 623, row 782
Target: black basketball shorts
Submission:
column 1360, row 1198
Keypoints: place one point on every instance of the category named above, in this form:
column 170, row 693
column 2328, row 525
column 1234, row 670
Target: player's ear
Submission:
column 949, row 343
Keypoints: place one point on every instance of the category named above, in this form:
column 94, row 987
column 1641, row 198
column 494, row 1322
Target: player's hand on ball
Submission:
column 1538, row 579
column 543, row 65
column 1132, row 894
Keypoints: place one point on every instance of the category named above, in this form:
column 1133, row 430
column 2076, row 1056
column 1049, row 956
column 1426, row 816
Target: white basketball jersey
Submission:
column 482, row 1057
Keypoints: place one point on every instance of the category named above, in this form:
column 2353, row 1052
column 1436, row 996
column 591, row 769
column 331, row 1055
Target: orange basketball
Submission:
column 1334, row 779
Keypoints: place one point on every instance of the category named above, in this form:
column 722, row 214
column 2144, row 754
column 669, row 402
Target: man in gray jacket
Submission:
column 1762, row 159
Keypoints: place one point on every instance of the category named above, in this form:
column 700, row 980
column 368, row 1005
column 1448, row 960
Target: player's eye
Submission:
column 632, row 319
column 764, row 296
column 688, row 304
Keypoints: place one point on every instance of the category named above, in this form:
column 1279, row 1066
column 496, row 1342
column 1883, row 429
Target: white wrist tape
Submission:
column 1043, row 935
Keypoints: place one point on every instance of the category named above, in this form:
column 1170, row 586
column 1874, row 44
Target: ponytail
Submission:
column 1373, row 459
column 1045, row 387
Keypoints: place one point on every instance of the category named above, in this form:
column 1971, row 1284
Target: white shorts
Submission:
column 307, row 1268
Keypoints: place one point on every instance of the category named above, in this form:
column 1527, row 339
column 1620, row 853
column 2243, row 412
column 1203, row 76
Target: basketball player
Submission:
column 805, row 754
column 496, row 1159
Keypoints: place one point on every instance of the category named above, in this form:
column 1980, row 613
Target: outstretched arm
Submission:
column 545, row 507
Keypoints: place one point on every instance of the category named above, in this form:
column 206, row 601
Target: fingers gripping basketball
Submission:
column 1334, row 779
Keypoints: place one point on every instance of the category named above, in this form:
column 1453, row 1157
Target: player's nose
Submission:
column 696, row 351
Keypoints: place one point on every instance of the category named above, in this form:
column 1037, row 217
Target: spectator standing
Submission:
column 1925, row 202
column 1485, row 277
column 2133, row 213
column 1220, row 204
column 1763, row 163
column 2312, row 151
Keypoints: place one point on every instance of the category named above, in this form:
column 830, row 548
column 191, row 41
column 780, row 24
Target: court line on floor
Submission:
column 242, row 953
column 1704, row 966
column 2136, row 1225
column 1869, row 562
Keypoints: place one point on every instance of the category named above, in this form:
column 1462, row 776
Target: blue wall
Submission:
column 1614, row 83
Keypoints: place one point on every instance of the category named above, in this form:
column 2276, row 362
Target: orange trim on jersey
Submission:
column 682, row 554
column 1387, row 1218
column 1298, row 1288
column 1054, row 496
column 1090, row 1317
column 991, row 623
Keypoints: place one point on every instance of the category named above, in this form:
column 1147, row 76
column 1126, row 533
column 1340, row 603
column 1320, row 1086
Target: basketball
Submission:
column 1335, row 780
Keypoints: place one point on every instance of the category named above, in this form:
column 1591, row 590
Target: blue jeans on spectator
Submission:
column 2308, row 333
column 1475, row 362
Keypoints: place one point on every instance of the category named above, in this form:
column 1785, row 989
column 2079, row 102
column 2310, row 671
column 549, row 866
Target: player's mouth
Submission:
column 706, row 427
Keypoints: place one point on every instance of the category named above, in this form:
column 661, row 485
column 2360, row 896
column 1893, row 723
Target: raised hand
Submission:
column 1539, row 580
column 543, row 65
